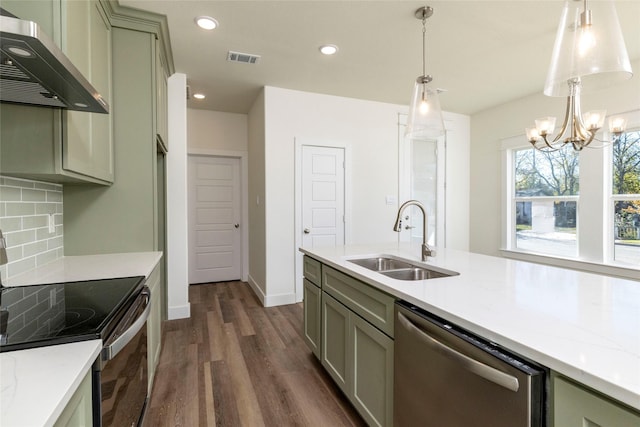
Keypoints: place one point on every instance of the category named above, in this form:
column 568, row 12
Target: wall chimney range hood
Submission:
column 33, row 70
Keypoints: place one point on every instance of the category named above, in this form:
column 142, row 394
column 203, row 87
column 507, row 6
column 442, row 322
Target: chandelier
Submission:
column 589, row 51
column 425, row 116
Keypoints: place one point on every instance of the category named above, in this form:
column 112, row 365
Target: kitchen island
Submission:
column 37, row 384
column 583, row 326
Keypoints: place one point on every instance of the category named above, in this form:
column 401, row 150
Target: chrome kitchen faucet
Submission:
column 426, row 250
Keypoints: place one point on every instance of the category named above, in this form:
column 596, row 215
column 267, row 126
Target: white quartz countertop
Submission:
column 585, row 326
column 89, row 267
column 36, row 384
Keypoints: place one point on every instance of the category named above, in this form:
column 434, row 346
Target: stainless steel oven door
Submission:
column 120, row 376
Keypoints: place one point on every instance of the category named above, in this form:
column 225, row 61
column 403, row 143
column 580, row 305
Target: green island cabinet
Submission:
column 312, row 298
column 355, row 338
column 577, row 406
column 154, row 323
column 78, row 412
column 62, row 145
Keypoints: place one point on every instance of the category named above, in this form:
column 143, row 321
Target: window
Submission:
column 625, row 190
column 579, row 209
column 546, row 186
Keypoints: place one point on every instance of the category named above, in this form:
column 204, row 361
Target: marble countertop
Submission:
column 585, row 326
column 36, row 384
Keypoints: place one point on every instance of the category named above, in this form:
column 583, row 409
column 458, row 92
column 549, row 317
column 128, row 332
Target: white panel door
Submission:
column 214, row 219
column 322, row 196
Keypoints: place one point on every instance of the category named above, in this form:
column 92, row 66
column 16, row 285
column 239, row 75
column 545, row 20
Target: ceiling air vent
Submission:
column 245, row 58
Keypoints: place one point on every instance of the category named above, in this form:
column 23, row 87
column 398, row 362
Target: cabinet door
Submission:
column 372, row 372
column 78, row 411
column 574, row 406
column 87, row 140
column 312, row 316
column 335, row 341
column 154, row 323
column 162, row 103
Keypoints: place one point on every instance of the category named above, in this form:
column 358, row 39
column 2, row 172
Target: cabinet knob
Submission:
column 306, row 231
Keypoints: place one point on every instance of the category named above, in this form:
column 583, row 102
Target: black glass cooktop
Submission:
column 58, row 313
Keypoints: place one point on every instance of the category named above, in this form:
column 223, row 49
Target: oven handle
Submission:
column 485, row 371
column 112, row 350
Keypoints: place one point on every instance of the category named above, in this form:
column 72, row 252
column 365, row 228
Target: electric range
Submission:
column 59, row 313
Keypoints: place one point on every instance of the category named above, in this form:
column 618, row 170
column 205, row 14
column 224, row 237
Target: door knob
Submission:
column 306, row 231
column 237, row 225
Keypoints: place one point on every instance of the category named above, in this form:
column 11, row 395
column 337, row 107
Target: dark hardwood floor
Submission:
column 236, row 363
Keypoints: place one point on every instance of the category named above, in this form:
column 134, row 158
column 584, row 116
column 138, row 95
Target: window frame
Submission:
column 595, row 250
column 633, row 125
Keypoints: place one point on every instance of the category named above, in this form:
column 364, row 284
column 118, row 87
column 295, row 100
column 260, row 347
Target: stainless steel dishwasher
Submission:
column 446, row 376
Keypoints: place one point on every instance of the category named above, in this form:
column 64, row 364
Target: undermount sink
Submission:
column 381, row 263
column 401, row 269
column 414, row 273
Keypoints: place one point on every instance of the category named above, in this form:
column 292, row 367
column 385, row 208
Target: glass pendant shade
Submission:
column 425, row 116
column 589, row 45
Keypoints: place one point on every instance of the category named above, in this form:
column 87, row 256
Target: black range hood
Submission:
column 33, row 70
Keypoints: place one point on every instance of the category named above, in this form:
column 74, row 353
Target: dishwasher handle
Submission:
column 485, row 371
column 110, row 351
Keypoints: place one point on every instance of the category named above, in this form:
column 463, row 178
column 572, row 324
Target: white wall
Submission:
column 177, row 231
column 369, row 131
column 490, row 126
column 257, row 221
column 457, row 180
column 215, row 130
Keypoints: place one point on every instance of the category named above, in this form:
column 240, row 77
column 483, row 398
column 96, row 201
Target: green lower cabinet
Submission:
column 359, row 358
column 335, row 345
column 78, row 412
column 154, row 324
column 575, row 406
column 312, row 316
column 372, row 372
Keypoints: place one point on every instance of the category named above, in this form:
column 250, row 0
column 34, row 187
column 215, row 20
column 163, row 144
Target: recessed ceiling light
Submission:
column 199, row 96
column 206, row 22
column 328, row 49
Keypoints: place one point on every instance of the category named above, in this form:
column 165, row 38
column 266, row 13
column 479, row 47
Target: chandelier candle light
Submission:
column 425, row 116
column 589, row 51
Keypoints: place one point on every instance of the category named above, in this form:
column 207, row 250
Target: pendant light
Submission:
column 425, row 117
column 589, row 52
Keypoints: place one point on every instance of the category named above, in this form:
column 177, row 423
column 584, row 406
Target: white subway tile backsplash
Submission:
column 25, row 207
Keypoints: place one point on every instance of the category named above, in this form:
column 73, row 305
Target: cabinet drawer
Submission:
column 311, row 270
column 371, row 304
column 575, row 406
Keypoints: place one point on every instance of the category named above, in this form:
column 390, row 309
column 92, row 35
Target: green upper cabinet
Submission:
column 58, row 145
column 87, row 145
column 162, row 102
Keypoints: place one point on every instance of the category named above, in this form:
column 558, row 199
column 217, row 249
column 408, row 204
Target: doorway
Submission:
column 422, row 178
column 215, row 213
column 320, row 205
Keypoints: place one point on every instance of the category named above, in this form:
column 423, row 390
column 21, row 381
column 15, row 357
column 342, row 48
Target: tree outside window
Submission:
column 546, row 188
column 626, row 197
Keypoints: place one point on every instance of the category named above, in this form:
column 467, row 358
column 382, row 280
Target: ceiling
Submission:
column 483, row 53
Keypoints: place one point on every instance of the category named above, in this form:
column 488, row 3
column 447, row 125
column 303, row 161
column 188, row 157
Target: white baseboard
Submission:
column 179, row 312
column 256, row 289
column 271, row 300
